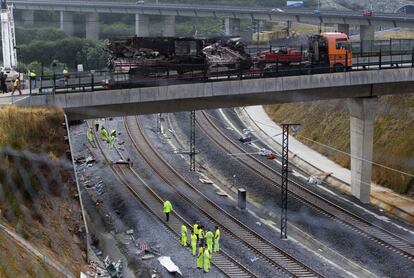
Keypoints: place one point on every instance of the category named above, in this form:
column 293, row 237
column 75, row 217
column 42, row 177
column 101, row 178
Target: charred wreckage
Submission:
column 136, row 59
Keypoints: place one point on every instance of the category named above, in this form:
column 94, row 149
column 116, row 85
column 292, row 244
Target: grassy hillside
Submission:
column 37, row 192
column 327, row 122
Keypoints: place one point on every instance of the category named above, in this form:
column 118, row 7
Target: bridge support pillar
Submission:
column 343, row 28
column 92, row 26
column 362, row 133
column 28, row 18
column 67, row 24
column 142, row 25
column 169, row 26
column 367, row 35
column 232, row 26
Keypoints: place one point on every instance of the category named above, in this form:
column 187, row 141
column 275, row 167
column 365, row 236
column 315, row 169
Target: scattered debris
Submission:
column 314, row 180
column 154, row 251
column 147, row 257
column 169, row 265
column 98, row 202
column 124, row 162
column 254, row 259
column 90, row 159
column 114, row 269
column 79, row 159
column 100, row 188
column 264, row 152
column 205, row 181
column 221, row 193
column 245, row 139
column 95, row 270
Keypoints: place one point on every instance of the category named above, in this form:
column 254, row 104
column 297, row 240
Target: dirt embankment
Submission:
column 327, row 122
column 38, row 194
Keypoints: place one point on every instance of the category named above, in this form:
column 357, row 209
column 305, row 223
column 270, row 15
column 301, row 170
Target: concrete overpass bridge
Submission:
column 359, row 90
column 231, row 14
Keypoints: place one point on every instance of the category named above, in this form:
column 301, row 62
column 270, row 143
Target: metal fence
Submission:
column 392, row 46
column 181, row 74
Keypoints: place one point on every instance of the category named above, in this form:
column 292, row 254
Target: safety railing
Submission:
column 182, row 74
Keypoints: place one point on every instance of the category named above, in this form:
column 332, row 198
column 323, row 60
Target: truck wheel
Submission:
column 339, row 68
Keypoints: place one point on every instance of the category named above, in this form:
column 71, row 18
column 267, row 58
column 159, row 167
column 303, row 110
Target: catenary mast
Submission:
column 8, row 37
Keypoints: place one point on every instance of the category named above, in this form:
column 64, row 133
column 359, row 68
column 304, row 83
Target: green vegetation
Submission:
column 327, row 122
column 38, row 49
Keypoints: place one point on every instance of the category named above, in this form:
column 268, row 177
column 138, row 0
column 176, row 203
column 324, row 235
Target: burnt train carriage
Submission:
column 155, row 55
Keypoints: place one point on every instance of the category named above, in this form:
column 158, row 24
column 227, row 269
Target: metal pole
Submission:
column 285, row 176
column 192, row 141
column 285, row 165
column 159, row 122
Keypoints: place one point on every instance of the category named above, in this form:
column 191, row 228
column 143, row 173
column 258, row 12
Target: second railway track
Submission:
column 153, row 203
column 230, row 225
column 324, row 206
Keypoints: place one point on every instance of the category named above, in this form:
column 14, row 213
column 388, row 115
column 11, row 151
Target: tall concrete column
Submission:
column 28, row 18
column 169, row 26
column 142, row 25
column 232, row 26
column 67, row 24
column 92, row 26
column 362, row 133
column 367, row 35
column 343, row 28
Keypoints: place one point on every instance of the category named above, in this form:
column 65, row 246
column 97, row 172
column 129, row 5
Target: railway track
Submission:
column 230, row 225
column 153, row 203
column 377, row 234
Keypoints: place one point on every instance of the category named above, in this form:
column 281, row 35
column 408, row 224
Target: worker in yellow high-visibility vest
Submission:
column 104, row 134
column 193, row 243
column 90, row 135
column 184, row 235
column 167, row 209
column 200, row 257
column 195, row 229
column 207, row 258
column 201, row 235
column 209, row 240
column 217, row 240
column 111, row 141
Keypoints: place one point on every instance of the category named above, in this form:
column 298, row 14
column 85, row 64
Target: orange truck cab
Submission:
column 331, row 50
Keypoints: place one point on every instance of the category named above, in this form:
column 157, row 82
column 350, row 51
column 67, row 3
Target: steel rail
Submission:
column 233, row 227
column 153, row 204
column 369, row 230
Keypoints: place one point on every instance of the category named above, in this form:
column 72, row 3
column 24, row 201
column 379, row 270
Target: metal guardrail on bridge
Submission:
column 104, row 80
